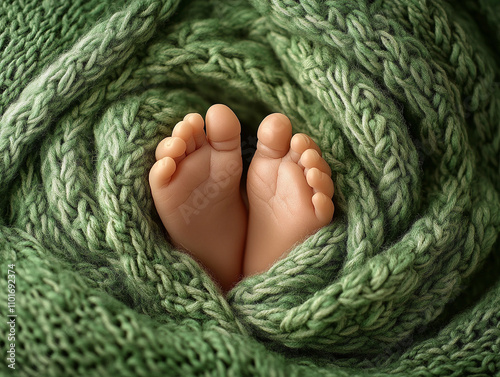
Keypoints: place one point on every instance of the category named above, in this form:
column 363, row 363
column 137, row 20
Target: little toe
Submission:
column 323, row 207
column 184, row 130
column 173, row 147
column 320, row 182
column 274, row 136
column 161, row 173
column 197, row 124
column 299, row 144
column 223, row 128
column 312, row 159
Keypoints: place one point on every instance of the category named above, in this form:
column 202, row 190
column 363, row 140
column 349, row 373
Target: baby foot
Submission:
column 289, row 190
column 195, row 184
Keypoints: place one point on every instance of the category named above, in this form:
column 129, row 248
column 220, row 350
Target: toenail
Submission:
column 168, row 142
column 305, row 139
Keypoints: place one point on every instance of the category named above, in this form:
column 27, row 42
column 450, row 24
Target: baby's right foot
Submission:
column 289, row 190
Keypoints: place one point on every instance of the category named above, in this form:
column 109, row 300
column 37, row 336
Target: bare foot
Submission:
column 195, row 184
column 289, row 190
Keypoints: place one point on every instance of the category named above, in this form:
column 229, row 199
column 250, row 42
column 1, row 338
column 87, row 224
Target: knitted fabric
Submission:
column 403, row 98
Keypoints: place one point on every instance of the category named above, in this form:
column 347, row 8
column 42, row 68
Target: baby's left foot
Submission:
column 289, row 193
column 195, row 184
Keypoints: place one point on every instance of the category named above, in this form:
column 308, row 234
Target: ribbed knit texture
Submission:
column 403, row 97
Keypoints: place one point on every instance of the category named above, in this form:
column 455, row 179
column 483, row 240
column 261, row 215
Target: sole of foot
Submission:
column 289, row 190
column 195, row 186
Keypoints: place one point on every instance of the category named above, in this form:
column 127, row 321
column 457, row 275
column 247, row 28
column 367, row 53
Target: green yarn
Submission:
column 403, row 97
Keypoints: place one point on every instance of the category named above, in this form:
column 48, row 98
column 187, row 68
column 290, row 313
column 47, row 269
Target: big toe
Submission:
column 223, row 128
column 274, row 135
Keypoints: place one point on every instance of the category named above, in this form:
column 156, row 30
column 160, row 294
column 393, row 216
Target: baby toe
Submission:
column 311, row 158
column 161, row 174
column 320, row 182
column 299, row 144
column 198, row 124
column 323, row 208
column 223, row 128
column 274, row 135
column 184, row 131
column 173, row 147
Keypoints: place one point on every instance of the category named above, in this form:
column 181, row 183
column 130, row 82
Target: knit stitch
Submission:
column 403, row 98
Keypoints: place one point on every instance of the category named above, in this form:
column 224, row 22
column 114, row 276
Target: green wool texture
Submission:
column 403, row 98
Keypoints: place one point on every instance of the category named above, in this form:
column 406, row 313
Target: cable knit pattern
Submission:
column 403, row 98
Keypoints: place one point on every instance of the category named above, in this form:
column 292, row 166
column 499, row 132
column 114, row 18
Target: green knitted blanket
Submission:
column 402, row 96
